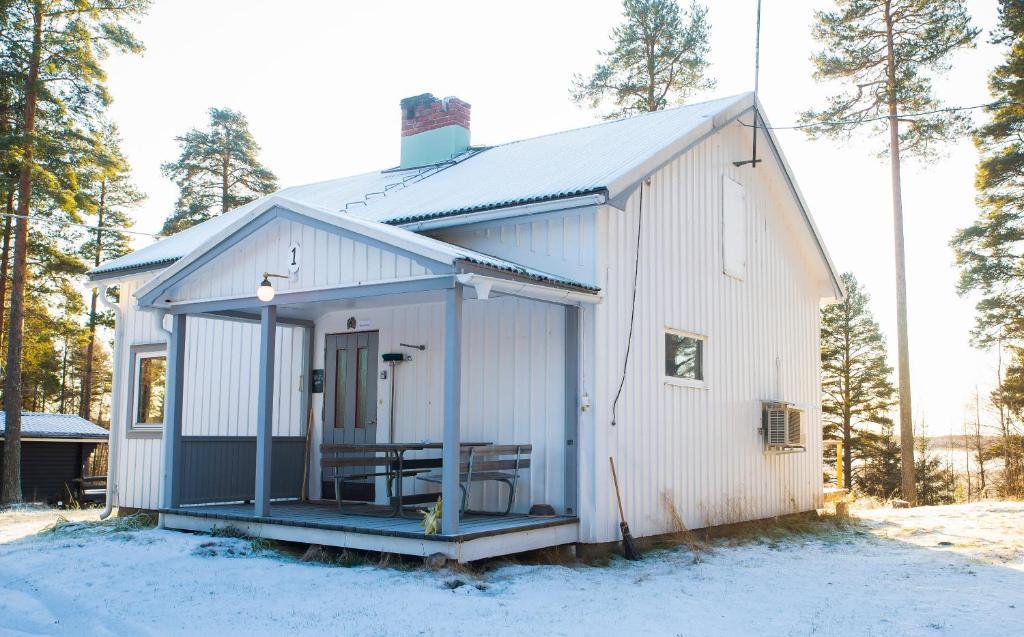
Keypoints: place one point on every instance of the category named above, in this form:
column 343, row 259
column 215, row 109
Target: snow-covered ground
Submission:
column 955, row 570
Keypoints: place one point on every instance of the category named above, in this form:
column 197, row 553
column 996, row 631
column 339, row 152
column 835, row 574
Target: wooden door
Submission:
column 350, row 401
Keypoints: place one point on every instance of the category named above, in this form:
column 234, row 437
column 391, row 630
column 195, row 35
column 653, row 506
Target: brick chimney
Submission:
column 433, row 130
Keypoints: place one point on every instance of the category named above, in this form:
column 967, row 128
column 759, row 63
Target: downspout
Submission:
column 116, row 412
column 158, row 323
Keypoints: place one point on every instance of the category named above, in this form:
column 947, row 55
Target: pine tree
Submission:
column 111, row 194
column 988, row 252
column 856, row 386
column 934, row 484
column 885, row 52
column 55, row 48
column 659, row 57
column 218, row 170
column 880, row 454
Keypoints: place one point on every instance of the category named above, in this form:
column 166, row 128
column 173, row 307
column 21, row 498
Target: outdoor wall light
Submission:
column 265, row 292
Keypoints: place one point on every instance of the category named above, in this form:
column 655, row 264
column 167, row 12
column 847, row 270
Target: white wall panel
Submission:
column 325, row 259
column 512, row 385
column 699, row 447
column 221, row 360
column 558, row 243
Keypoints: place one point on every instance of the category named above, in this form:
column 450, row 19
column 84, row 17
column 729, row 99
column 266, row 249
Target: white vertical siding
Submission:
column 221, row 358
column 559, row 243
column 325, row 258
column 701, row 447
column 513, row 381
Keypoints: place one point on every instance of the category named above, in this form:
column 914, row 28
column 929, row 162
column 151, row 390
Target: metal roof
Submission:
column 608, row 158
column 41, row 425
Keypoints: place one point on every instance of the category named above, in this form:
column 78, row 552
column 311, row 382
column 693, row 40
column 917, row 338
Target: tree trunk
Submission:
column 225, row 169
column 906, row 419
column 978, row 441
column 847, row 454
column 5, row 259
column 62, row 403
column 10, row 492
column 85, row 409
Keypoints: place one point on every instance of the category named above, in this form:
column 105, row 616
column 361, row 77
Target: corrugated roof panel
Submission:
column 565, row 164
column 42, row 425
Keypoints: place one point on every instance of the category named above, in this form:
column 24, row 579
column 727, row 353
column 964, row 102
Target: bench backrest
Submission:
column 495, row 458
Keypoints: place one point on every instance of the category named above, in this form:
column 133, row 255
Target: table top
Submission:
column 393, row 446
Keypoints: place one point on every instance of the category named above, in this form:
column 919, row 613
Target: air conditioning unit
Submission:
column 782, row 426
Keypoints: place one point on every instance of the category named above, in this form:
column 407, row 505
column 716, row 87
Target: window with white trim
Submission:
column 684, row 358
column 150, row 386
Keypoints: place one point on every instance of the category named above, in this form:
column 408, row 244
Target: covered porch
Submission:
column 481, row 345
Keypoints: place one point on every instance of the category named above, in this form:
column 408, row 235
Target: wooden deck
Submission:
column 479, row 536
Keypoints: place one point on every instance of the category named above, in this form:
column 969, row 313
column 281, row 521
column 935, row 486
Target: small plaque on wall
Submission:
column 318, row 381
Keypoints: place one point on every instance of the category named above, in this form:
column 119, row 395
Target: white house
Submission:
column 508, row 282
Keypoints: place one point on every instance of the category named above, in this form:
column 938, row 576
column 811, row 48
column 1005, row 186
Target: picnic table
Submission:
column 393, row 461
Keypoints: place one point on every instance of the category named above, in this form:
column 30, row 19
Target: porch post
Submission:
column 265, row 408
column 451, row 495
column 572, row 408
column 171, row 489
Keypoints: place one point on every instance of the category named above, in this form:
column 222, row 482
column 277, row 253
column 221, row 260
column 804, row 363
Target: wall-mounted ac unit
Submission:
column 782, row 426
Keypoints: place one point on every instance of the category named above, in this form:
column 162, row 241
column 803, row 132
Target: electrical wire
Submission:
column 632, row 311
column 80, row 225
column 951, row 109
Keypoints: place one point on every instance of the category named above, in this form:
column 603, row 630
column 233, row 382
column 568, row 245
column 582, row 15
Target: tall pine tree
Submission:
column 990, row 252
column 857, row 392
column 110, row 194
column 659, row 58
column 885, row 52
column 55, row 48
column 218, row 169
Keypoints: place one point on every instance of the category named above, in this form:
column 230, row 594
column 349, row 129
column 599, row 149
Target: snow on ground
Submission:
column 890, row 576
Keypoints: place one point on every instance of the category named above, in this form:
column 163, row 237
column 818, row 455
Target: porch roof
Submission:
column 393, row 237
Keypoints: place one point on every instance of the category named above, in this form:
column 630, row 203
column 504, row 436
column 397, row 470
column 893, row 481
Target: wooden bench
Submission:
column 90, row 488
column 491, row 463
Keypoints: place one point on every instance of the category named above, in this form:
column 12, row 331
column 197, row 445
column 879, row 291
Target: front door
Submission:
column 350, row 402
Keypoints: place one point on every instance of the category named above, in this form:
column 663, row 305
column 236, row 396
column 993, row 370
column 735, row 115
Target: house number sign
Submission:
column 293, row 257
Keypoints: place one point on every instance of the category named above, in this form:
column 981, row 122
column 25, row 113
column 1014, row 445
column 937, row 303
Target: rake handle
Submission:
column 618, row 498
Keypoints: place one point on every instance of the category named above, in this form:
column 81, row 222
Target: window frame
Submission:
column 136, row 354
column 686, row 382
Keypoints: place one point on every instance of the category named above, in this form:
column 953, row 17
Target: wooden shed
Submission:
column 55, row 452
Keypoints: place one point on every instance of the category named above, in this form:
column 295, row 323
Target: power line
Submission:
column 849, row 122
column 80, row 225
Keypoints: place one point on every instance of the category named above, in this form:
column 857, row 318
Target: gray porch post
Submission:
column 170, row 497
column 265, row 408
column 451, row 496
column 572, row 407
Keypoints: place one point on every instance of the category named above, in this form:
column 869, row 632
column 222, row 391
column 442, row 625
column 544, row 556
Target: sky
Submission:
column 320, row 83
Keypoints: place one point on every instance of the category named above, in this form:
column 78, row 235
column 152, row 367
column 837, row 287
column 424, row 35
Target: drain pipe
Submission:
column 116, row 412
column 158, row 323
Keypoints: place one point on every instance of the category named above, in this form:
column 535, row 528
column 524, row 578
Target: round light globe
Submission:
column 265, row 292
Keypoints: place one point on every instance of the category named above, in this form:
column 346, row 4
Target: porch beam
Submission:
column 174, row 387
column 417, row 284
column 451, row 495
column 254, row 317
column 265, row 408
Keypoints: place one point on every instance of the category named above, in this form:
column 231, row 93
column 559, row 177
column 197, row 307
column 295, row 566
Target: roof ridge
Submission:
column 620, row 120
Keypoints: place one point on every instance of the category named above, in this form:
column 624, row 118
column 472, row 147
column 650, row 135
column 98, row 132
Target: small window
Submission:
column 684, row 357
column 150, row 388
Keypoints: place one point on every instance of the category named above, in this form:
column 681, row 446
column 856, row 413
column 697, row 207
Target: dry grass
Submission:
column 118, row 524
column 680, row 534
column 804, row 525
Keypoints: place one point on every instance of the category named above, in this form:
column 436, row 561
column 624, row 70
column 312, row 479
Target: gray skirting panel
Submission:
column 223, row 468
